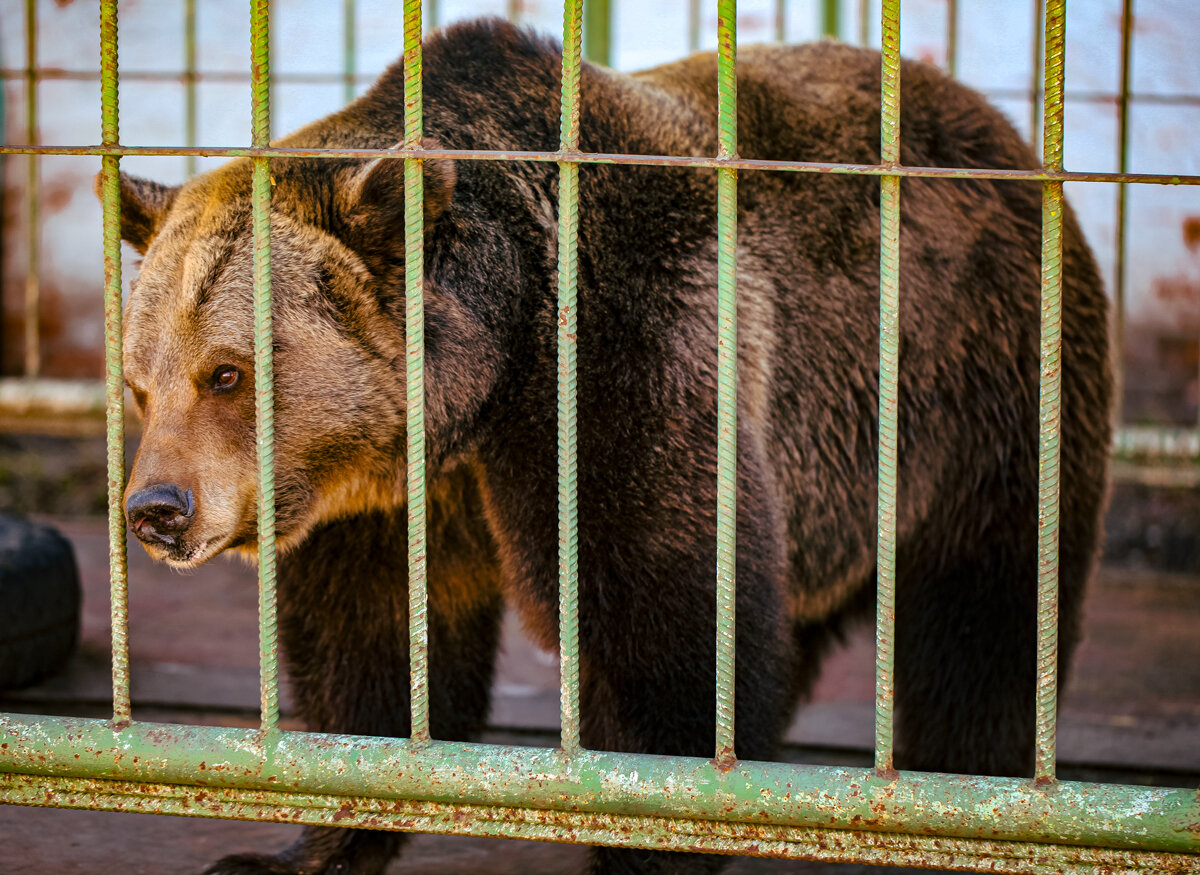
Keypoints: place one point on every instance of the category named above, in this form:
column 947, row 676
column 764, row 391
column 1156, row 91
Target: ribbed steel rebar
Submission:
column 889, row 387
column 114, row 379
column 414, row 358
column 568, row 278
column 264, row 364
column 1050, row 392
column 727, row 350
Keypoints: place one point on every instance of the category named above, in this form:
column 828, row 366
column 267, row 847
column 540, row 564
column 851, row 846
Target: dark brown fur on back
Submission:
column 808, row 266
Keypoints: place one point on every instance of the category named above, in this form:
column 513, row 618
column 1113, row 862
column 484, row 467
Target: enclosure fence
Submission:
column 569, row 793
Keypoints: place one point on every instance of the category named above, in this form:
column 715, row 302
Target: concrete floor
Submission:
column 1131, row 713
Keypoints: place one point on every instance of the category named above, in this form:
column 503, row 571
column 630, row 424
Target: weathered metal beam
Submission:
column 1154, row 819
column 851, row 846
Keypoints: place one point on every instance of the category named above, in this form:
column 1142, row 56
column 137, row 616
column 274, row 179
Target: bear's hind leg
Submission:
column 653, row 691
column 966, row 660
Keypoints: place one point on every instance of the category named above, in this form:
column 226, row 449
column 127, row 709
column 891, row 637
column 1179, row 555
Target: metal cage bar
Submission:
column 414, row 357
column 642, row 831
column 597, row 31
column 264, row 363
column 1050, row 394
column 114, row 382
column 568, row 322
column 33, row 341
column 349, row 48
column 727, row 349
column 889, row 385
column 1035, row 81
column 218, row 760
column 1042, row 175
column 1122, row 228
column 190, row 80
column 952, row 37
column 831, row 19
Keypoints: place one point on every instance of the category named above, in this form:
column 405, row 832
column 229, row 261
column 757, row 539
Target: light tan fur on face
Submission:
column 191, row 311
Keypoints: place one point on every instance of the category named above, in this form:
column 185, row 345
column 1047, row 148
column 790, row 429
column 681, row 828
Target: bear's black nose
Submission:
column 159, row 513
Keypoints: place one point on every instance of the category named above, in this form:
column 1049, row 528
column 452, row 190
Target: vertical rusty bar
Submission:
column 726, row 377
column 568, row 276
column 189, row 82
column 864, row 22
column 414, row 331
column 264, row 363
column 693, row 25
column 780, row 20
column 513, row 10
column 349, row 49
column 114, row 380
column 1035, row 85
column 952, row 37
column 1050, row 394
column 33, row 342
column 1122, row 219
column 889, row 386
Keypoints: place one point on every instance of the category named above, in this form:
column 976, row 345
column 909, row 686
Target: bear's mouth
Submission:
column 187, row 553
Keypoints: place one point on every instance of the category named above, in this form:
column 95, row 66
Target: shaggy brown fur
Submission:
column 808, row 265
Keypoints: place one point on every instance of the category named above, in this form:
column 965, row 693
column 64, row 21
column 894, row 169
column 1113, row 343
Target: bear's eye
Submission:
column 225, row 377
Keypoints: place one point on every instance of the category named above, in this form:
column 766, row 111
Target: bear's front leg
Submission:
column 343, row 621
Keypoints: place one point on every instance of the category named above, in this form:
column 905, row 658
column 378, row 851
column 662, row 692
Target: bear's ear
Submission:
column 144, row 205
column 371, row 202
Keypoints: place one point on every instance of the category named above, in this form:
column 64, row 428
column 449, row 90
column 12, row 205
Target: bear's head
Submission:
column 336, row 267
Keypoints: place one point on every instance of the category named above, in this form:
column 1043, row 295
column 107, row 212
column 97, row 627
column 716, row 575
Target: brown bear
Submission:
column 808, row 280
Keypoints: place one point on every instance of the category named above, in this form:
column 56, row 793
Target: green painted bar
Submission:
column 889, row 387
column 1035, row 84
column 727, row 349
column 349, row 48
column 831, row 19
column 597, row 31
column 780, row 20
column 1050, row 392
column 952, row 37
column 1122, row 226
column 264, row 364
column 414, row 344
column 189, row 82
column 835, row 845
column 33, row 197
column 693, row 25
column 114, row 380
column 568, row 312
column 635, row 784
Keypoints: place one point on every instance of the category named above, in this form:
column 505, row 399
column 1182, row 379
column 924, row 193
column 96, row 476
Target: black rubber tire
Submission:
column 40, row 597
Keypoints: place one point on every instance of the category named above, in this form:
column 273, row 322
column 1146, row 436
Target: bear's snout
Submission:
column 159, row 513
